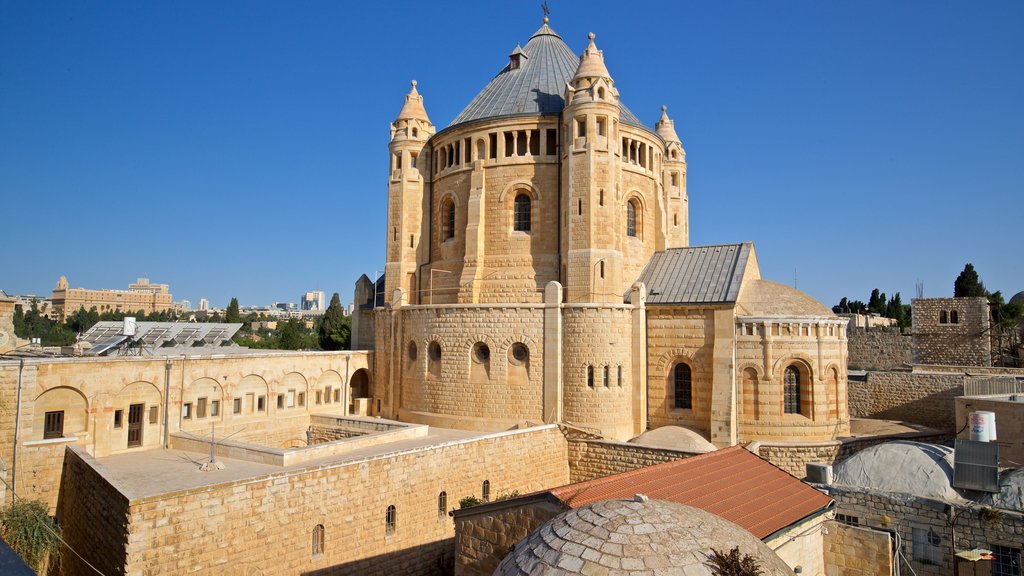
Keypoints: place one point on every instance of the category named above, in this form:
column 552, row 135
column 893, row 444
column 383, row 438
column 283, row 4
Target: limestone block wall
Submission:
column 91, row 392
column 590, row 459
column 974, row 526
column 857, row 551
column 677, row 335
column 94, row 517
column 483, row 539
column 913, row 397
column 938, row 339
column 488, row 395
column 793, row 457
column 264, row 525
column 597, row 368
column 802, row 545
column 878, row 349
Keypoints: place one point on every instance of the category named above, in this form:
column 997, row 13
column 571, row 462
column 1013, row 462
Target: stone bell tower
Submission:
column 589, row 181
column 408, row 194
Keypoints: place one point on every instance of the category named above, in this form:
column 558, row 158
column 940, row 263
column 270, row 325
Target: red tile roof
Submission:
column 731, row 483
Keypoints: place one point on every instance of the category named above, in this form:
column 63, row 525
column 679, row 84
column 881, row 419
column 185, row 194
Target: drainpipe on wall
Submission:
column 17, row 427
column 167, row 403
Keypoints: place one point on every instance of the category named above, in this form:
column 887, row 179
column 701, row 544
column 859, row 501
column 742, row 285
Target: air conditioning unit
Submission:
column 819, row 473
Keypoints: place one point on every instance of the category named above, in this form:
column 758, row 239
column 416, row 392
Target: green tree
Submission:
column 29, row 530
column 967, row 284
column 335, row 329
column 876, row 304
column 290, row 337
column 231, row 315
column 897, row 311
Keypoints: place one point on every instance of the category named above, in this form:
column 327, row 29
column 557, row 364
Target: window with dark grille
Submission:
column 485, row 491
column 926, row 546
column 631, row 219
column 53, row 424
column 442, row 505
column 448, row 220
column 521, row 218
column 791, row 390
column 390, row 521
column 683, row 380
column 318, row 540
column 848, row 520
column 1006, row 561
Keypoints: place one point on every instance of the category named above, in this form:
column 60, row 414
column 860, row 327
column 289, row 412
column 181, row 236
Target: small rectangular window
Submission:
column 53, row 424
column 280, row 401
column 250, row 402
column 601, row 122
column 154, row 414
column 493, row 142
column 215, row 408
column 261, row 404
column 186, row 411
column 581, row 127
column 337, row 394
column 118, row 418
column 535, row 142
column 848, row 520
column 319, row 397
column 201, row 408
column 398, row 161
column 237, row 406
column 675, row 178
column 412, row 159
column 302, row 398
column 468, row 147
column 327, row 395
column 290, row 399
column 510, row 143
column 552, row 142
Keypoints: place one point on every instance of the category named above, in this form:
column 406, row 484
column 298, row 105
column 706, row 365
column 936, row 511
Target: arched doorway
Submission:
column 359, row 387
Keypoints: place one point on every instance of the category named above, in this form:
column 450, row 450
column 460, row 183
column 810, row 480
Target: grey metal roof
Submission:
column 696, row 275
column 537, row 87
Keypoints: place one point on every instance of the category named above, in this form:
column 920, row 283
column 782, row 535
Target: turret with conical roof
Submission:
column 407, row 190
column 673, row 169
column 589, row 177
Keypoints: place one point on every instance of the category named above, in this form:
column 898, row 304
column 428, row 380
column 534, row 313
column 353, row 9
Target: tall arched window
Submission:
column 485, row 490
column 448, row 220
column 943, row 318
column 442, row 505
column 683, row 386
column 631, row 218
column 590, row 376
column 318, row 540
column 390, row 520
column 791, row 390
column 521, row 214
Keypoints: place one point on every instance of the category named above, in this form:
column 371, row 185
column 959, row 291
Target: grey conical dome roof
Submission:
column 536, row 87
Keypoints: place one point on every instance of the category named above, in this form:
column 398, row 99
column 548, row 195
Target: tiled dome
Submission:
column 633, row 537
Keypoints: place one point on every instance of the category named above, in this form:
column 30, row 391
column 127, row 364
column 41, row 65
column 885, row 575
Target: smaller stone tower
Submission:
column 589, row 168
column 676, row 205
column 408, row 194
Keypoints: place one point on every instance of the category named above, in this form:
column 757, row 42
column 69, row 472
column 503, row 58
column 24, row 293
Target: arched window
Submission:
column 606, row 369
column 485, row 490
column 791, row 390
column 631, row 218
column 442, row 505
column 683, row 386
column 318, row 540
column 390, row 521
column 415, row 133
column 954, row 318
column 943, row 318
column 448, row 220
column 590, row 376
column 521, row 215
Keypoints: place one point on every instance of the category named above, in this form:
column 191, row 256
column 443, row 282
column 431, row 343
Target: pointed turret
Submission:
column 677, row 219
column 666, row 128
column 591, row 63
column 413, row 108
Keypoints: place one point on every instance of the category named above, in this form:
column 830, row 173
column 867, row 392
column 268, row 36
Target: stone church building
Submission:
column 539, row 270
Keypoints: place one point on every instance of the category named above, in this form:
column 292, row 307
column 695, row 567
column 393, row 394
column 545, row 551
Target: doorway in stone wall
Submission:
column 135, row 412
column 359, row 387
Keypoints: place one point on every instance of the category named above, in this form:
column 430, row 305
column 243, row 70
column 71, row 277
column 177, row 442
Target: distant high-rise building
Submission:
column 139, row 296
column 204, row 304
column 183, row 306
column 313, row 301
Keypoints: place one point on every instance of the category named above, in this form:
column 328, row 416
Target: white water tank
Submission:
column 983, row 426
column 129, row 326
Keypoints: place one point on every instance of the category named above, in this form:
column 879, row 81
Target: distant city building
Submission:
column 285, row 306
column 183, row 306
column 139, row 296
column 204, row 304
column 313, row 301
column 43, row 304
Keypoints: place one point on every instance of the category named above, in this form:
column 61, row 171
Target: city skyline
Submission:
column 231, row 152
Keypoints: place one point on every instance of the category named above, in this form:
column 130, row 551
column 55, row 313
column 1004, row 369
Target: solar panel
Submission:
column 105, row 345
column 976, row 465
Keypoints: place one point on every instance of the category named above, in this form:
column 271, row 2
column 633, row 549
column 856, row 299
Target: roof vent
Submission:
column 640, row 498
column 516, row 57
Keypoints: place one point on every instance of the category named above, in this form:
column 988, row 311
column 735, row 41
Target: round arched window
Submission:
column 412, row 351
column 481, row 353
column 519, row 353
column 434, row 351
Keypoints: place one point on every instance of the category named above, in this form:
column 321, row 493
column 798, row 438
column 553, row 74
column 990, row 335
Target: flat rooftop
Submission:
column 154, row 472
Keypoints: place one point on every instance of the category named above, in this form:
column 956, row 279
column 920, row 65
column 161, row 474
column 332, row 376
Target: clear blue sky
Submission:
column 240, row 148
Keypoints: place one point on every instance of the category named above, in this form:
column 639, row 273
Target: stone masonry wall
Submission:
column 589, row 459
column 856, row 551
column 975, row 526
column 482, row 540
column 912, row 397
column 94, row 518
column 264, row 525
column 878, row 349
column 939, row 340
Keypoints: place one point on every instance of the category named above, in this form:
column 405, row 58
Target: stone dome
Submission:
column 1018, row 297
column 914, row 468
column 767, row 298
column 634, row 537
column 674, row 438
column 1011, row 492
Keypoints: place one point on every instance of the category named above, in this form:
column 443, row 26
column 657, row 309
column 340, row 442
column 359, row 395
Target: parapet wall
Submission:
column 589, row 459
column 911, row 397
column 878, row 349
